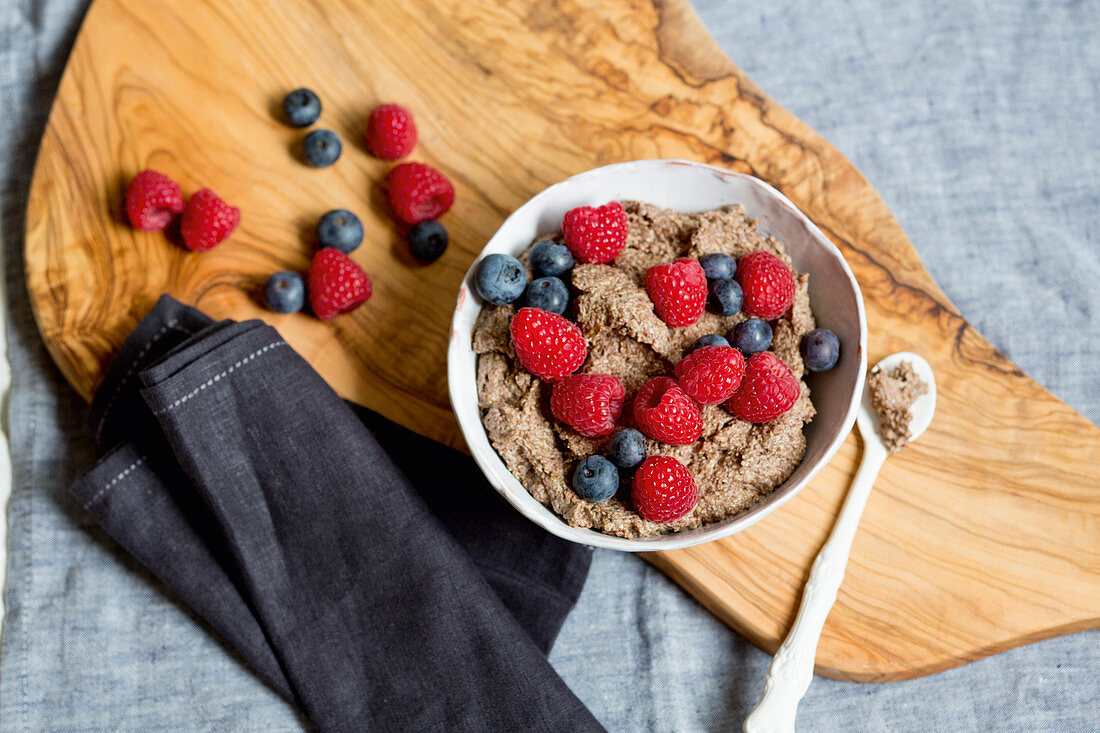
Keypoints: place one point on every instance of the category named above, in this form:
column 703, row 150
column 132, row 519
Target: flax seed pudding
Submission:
column 642, row 371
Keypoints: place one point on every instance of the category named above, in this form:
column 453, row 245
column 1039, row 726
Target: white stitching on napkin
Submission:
column 126, row 472
column 217, row 377
column 129, row 373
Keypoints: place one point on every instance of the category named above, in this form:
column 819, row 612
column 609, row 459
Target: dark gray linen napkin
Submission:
column 363, row 572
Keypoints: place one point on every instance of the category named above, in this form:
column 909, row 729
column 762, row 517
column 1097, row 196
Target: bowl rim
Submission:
column 509, row 486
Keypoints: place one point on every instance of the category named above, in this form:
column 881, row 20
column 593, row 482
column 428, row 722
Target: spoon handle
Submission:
column 792, row 667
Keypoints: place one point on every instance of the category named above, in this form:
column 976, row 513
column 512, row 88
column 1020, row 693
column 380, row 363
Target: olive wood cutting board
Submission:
column 982, row 536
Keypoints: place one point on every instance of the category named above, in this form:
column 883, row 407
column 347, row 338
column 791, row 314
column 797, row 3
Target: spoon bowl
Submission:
column 921, row 410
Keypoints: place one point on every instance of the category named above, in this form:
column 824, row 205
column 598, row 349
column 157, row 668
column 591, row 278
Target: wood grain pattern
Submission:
column 983, row 535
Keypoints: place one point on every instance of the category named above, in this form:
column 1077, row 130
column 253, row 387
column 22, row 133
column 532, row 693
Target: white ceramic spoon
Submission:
column 792, row 668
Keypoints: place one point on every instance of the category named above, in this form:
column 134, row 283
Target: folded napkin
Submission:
column 365, row 573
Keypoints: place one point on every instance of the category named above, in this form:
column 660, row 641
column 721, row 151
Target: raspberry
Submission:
column 664, row 412
column 678, row 291
column 152, row 199
column 588, row 403
column 547, row 345
column 767, row 390
column 391, row 132
column 595, row 234
column 711, row 375
column 663, row 489
column 767, row 283
column 336, row 284
column 207, row 221
column 419, row 192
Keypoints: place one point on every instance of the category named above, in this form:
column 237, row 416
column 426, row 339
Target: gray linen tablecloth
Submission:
column 977, row 121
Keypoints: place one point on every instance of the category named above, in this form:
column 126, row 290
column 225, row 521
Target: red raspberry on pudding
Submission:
column 767, row 390
column 678, row 291
column 595, row 234
column 664, row 412
column 588, row 403
column 663, row 490
column 712, row 374
column 768, row 285
column 546, row 344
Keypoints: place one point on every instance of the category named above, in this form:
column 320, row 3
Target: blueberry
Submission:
column 595, row 479
column 301, row 107
column 285, row 292
column 321, row 148
column 725, row 297
column 341, row 229
column 427, row 241
column 751, row 336
column 820, row 350
column 550, row 259
column 627, row 448
column 500, row 279
column 711, row 339
column 718, row 266
column 547, row 293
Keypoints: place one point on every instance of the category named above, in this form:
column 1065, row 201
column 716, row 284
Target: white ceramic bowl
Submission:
column 684, row 186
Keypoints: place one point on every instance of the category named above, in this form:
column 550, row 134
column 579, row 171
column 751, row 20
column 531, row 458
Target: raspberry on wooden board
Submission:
column 336, row 284
column 391, row 132
column 418, row 192
column 207, row 221
column 152, row 201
